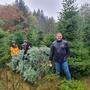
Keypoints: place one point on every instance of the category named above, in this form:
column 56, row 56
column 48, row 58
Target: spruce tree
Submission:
column 67, row 24
column 20, row 4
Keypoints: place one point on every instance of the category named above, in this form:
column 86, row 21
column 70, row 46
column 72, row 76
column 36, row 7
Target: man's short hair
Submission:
column 58, row 33
column 25, row 40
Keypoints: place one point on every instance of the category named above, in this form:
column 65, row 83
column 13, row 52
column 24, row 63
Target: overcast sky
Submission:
column 50, row 7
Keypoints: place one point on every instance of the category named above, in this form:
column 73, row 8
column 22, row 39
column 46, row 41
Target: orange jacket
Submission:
column 14, row 51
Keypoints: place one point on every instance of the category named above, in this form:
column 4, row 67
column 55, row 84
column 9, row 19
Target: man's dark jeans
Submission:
column 65, row 67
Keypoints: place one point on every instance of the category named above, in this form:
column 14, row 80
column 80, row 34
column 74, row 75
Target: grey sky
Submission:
column 50, row 7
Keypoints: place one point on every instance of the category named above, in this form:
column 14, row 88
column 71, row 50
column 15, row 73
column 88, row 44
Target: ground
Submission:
column 13, row 81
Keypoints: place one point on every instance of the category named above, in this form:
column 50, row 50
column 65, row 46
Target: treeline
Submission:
column 46, row 24
column 17, row 17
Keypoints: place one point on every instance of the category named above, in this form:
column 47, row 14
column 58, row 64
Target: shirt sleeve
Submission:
column 51, row 52
column 67, row 49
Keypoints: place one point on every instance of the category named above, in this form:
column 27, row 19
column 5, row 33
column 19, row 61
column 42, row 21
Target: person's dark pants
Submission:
column 65, row 67
column 14, row 63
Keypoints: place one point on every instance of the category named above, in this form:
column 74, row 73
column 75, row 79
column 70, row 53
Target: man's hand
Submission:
column 50, row 63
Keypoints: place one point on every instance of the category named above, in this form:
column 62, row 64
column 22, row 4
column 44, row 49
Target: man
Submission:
column 25, row 47
column 59, row 52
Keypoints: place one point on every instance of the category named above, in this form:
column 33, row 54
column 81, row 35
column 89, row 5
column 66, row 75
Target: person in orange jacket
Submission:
column 14, row 50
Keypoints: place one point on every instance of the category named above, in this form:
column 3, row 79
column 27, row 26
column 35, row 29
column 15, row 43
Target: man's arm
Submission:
column 51, row 52
column 67, row 50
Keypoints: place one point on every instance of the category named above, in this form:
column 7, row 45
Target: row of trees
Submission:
column 45, row 24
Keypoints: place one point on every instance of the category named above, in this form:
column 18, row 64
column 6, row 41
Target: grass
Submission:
column 12, row 81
